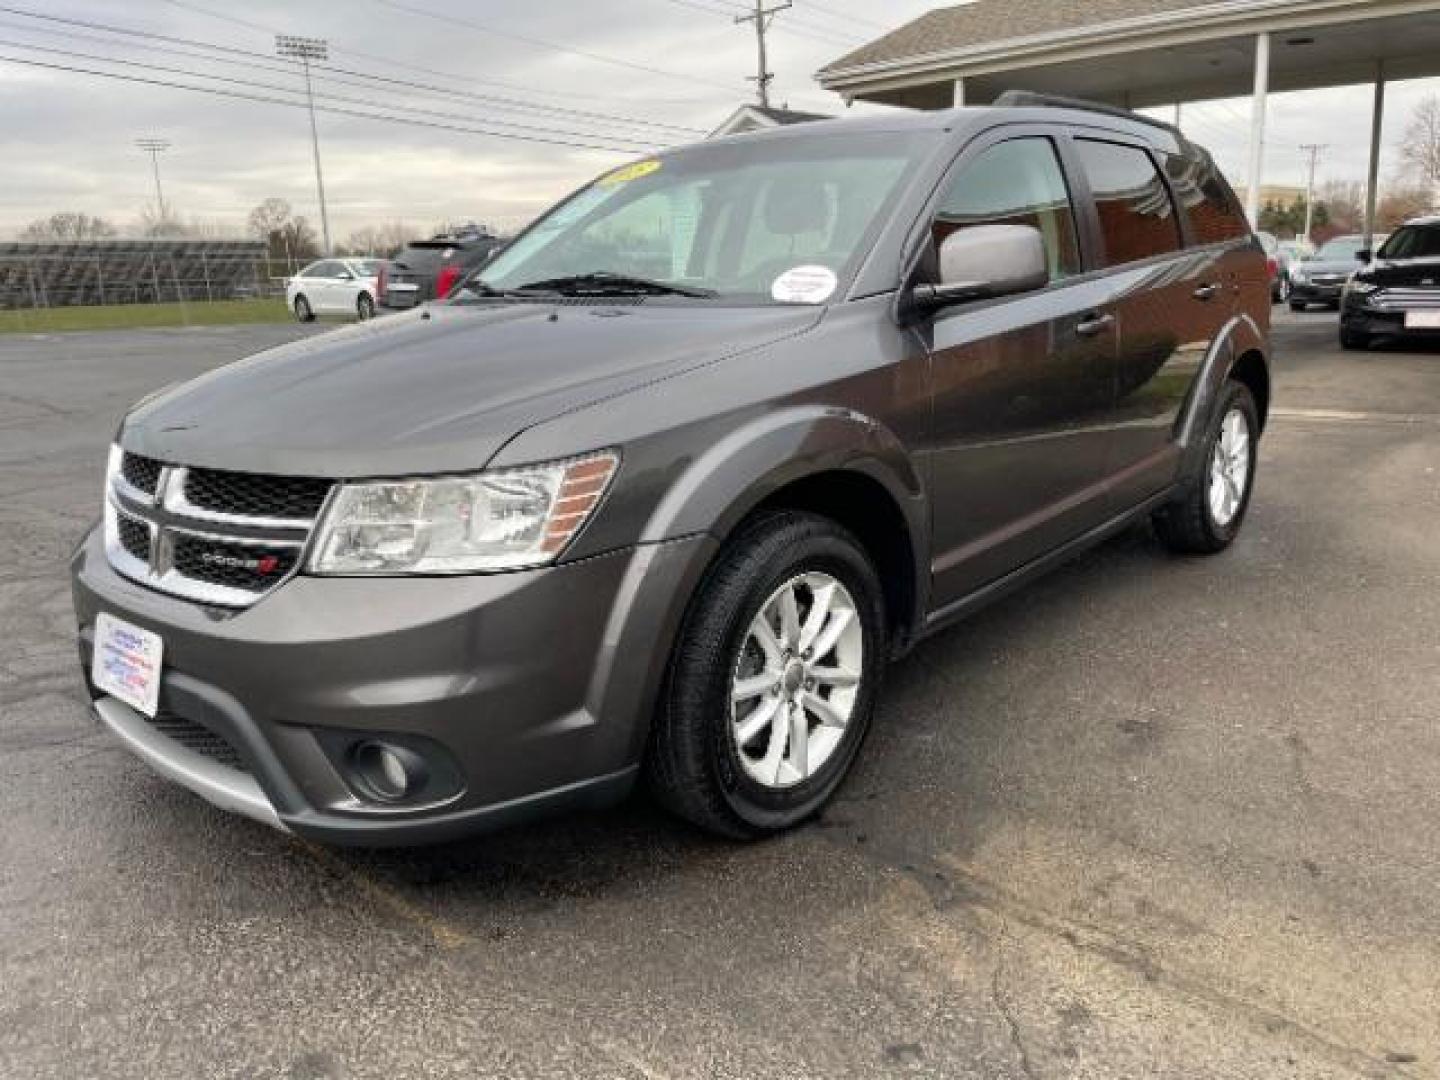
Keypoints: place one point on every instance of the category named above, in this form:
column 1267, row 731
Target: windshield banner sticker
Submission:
column 627, row 173
column 804, row 285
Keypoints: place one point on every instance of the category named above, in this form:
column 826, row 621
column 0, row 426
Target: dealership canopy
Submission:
column 1140, row 53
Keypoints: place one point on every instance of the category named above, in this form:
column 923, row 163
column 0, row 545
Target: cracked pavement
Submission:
column 1151, row 817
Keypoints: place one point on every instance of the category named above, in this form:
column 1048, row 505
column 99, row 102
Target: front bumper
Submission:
column 1311, row 293
column 532, row 689
column 1358, row 316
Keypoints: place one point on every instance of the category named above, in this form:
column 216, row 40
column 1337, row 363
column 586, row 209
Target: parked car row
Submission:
column 360, row 288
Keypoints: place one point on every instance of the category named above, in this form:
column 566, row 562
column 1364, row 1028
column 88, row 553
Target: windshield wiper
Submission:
column 604, row 283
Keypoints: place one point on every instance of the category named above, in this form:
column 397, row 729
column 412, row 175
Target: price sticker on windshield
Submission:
column 804, row 285
column 626, row 173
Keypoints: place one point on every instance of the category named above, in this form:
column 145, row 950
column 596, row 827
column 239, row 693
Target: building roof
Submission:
column 1000, row 20
column 756, row 117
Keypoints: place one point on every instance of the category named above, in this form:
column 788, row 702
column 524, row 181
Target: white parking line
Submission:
column 1345, row 416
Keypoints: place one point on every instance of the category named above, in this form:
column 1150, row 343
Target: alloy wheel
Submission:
column 1230, row 468
column 797, row 680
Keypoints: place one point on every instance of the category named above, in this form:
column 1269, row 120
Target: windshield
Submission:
column 1340, row 249
column 1413, row 242
column 763, row 221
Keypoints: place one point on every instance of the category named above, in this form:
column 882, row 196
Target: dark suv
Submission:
column 664, row 488
column 428, row 269
column 1397, row 294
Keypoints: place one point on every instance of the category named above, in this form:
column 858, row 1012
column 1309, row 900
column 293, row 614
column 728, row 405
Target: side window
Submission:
column 1214, row 212
column 1018, row 182
column 1137, row 219
column 327, row 269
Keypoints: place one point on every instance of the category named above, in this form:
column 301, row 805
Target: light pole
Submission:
column 762, row 17
column 156, row 147
column 1314, row 150
column 306, row 49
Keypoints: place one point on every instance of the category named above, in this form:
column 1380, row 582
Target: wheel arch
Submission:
column 1239, row 351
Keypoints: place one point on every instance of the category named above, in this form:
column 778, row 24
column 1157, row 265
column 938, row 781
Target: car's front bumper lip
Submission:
column 537, row 684
column 228, row 789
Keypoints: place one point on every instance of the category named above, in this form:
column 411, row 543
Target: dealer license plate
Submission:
column 126, row 664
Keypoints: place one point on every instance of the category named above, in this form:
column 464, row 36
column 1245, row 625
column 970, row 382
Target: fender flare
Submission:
column 1238, row 337
column 740, row 471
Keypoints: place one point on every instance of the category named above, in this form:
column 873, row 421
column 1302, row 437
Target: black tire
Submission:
column 1187, row 525
column 1298, row 306
column 693, row 764
column 364, row 307
column 303, row 311
column 1353, row 339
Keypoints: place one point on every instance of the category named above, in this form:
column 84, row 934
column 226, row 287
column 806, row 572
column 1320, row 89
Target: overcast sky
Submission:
column 601, row 66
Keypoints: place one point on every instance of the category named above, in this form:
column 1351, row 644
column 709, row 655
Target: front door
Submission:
column 1023, row 387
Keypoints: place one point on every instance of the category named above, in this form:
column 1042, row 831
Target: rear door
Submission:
column 1023, row 387
column 325, row 285
column 1171, row 303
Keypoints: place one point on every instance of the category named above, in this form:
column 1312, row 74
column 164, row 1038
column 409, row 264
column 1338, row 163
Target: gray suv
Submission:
column 661, row 490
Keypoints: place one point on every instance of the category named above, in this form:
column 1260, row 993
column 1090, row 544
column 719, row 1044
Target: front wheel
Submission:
column 1207, row 516
column 1298, row 306
column 1353, row 339
column 303, row 311
column 773, row 679
column 364, row 307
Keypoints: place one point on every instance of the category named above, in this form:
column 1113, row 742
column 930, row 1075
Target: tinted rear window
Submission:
column 1136, row 216
column 1215, row 213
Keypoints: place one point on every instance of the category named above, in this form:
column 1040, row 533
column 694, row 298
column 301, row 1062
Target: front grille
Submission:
column 134, row 536
column 141, row 473
column 1406, row 299
column 292, row 498
column 249, row 567
column 198, row 738
column 211, row 535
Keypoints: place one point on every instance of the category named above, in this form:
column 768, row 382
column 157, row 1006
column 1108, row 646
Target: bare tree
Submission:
column 161, row 222
column 1400, row 203
column 267, row 218
column 69, row 225
column 380, row 240
column 1344, row 201
column 1421, row 147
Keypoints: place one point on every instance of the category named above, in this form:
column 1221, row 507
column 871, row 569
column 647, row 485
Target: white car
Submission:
column 334, row 287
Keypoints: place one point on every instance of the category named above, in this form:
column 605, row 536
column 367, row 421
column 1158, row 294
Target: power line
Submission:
column 368, row 114
column 250, row 58
column 540, row 43
column 729, row 10
column 846, row 16
column 634, row 145
column 589, row 95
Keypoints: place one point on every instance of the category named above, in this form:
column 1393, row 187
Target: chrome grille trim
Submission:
column 1406, row 299
column 169, row 515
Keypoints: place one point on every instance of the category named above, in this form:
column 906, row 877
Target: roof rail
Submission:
column 1023, row 98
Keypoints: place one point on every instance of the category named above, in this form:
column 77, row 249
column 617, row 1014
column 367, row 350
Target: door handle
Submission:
column 1207, row 292
column 1094, row 324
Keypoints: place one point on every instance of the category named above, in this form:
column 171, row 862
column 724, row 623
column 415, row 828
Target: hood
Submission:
column 1415, row 273
column 440, row 389
column 1329, row 267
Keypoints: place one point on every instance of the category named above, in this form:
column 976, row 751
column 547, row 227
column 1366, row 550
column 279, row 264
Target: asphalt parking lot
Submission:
column 1153, row 817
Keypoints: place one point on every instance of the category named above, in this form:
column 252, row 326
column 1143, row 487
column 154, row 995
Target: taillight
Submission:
column 445, row 281
column 380, row 280
column 1273, row 265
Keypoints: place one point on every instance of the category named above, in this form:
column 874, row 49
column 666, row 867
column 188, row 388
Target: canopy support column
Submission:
column 959, row 94
column 1257, row 127
column 1372, row 187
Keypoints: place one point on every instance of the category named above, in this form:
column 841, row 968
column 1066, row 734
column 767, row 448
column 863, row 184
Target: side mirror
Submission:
column 987, row 261
column 1363, row 254
column 345, row 275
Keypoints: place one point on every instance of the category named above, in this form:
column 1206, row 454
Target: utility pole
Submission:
column 762, row 17
column 156, row 147
column 306, row 49
column 1314, row 150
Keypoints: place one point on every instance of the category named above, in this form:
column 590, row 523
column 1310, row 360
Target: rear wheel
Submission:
column 773, row 679
column 1207, row 517
column 303, row 311
column 365, row 307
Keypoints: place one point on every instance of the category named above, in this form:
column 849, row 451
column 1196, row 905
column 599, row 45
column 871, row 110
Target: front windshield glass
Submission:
column 759, row 221
column 1340, row 249
column 1413, row 242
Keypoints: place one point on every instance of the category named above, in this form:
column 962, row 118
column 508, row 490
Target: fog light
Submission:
column 388, row 772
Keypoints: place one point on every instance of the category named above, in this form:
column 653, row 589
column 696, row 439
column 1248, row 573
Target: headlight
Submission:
column 1298, row 276
column 1359, row 287
column 501, row 520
